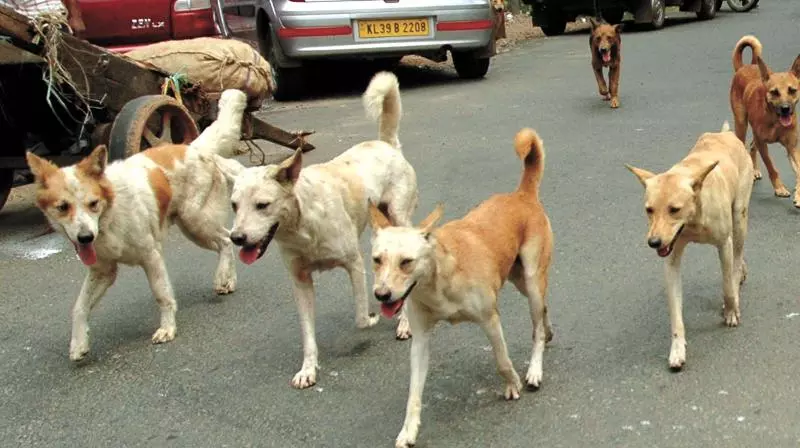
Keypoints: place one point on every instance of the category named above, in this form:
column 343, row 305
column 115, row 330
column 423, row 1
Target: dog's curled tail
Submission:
column 223, row 135
column 530, row 149
column 382, row 103
column 744, row 42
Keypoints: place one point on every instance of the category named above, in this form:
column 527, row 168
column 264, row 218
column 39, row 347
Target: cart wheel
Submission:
column 147, row 122
column 6, row 183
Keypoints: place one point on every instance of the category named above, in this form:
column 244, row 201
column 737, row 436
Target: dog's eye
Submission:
column 405, row 262
column 234, row 206
column 93, row 205
column 775, row 92
column 673, row 210
column 792, row 90
column 262, row 205
column 63, row 207
column 649, row 210
column 376, row 260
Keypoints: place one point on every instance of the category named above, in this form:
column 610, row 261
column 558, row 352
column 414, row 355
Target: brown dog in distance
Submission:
column 605, row 43
column 766, row 102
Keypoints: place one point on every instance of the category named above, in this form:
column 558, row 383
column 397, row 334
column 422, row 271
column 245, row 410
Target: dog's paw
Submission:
column 164, row 334
column 677, row 355
column 549, row 334
column 782, row 192
column 757, row 175
column 225, row 287
column 796, row 202
column 614, row 103
column 368, row 322
column 78, row 351
column 742, row 273
column 513, row 388
column 305, row 378
column 732, row 317
column 533, row 380
column 403, row 331
column 404, row 440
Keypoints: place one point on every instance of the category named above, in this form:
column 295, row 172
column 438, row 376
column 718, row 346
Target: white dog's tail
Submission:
column 382, row 103
column 725, row 126
column 223, row 135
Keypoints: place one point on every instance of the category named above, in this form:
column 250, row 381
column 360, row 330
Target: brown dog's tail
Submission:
column 744, row 42
column 530, row 149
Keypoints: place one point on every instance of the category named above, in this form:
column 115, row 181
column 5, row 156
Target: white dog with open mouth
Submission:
column 318, row 213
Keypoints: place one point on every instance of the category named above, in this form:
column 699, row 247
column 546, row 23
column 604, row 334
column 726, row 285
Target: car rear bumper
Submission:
column 325, row 34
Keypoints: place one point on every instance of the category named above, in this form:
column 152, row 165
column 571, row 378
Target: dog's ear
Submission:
column 699, row 177
column 642, row 175
column 763, row 69
column 593, row 21
column 427, row 225
column 377, row 219
column 94, row 165
column 795, row 70
column 289, row 170
column 618, row 28
column 40, row 167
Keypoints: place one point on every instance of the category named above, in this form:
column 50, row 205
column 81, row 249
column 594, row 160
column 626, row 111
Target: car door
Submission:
column 126, row 22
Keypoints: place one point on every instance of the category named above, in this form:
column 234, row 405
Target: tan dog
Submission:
column 766, row 101
column 455, row 274
column 702, row 199
column 120, row 213
column 605, row 42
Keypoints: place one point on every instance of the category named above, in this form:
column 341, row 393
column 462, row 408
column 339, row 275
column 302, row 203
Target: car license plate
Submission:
column 368, row 29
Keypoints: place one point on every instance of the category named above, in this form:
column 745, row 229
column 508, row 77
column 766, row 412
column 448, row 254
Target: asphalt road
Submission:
column 225, row 380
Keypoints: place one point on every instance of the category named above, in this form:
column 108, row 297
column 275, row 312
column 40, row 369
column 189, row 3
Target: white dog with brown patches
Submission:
column 454, row 274
column 120, row 213
column 703, row 199
column 317, row 213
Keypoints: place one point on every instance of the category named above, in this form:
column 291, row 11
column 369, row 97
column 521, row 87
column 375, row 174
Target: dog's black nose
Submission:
column 786, row 109
column 85, row 237
column 383, row 296
column 238, row 238
column 654, row 242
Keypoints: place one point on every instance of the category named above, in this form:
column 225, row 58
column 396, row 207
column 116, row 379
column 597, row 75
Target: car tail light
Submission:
column 191, row 5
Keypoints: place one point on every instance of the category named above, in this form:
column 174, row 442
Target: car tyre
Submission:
column 718, row 4
column 552, row 21
column 469, row 66
column 289, row 81
column 659, row 14
column 708, row 9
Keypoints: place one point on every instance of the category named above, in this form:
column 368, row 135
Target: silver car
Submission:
column 292, row 32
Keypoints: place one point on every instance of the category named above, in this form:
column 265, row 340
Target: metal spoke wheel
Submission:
column 150, row 121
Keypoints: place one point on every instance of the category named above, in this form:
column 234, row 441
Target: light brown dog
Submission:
column 605, row 42
column 766, row 102
column 454, row 274
column 702, row 199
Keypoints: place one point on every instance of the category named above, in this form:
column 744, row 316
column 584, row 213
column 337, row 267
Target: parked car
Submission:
column 552, row 15
column 293, row 32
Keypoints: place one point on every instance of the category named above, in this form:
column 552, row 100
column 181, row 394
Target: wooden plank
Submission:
column 11, row 55
column 262, row 129
column 15, row 24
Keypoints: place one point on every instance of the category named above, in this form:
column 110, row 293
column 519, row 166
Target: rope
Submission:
column 174, row 82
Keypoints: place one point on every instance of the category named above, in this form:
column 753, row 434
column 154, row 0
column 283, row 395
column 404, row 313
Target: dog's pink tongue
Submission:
column 786, row 121
column 390, row 309
column 86, row 253
column 606, row 57
column 663, row 252
column 248, row 255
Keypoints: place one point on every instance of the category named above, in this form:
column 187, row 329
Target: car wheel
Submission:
column 469, row 66
column 708, row 9
column 6, row 183
column 552, row 21
column 289, row 81
column 614, row 16
column 659, row 15
column 718, row 4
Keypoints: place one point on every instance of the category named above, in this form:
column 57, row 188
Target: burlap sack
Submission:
column 215, row 64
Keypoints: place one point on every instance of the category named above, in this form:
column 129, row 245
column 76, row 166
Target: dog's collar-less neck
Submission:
column 408, row 291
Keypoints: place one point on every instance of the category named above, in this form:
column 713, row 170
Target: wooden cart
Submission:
column 130, row 113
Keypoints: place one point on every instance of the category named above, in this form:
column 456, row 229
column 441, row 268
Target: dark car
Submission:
column 552, row 15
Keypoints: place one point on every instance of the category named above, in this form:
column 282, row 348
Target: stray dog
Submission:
column 499, row 19
column 702, row 199
column 605, row 42
column 120, row 213
column 455, row 273
column 318, row 213
column 766, row 102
